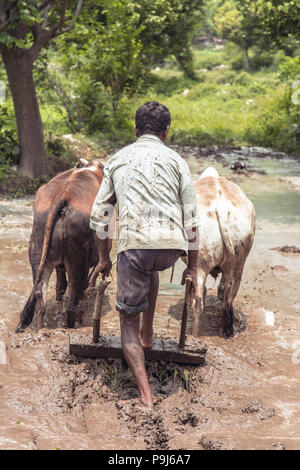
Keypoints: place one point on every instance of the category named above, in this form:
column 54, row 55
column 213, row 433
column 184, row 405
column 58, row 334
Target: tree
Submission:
column 120, row 40
column 26, row 27
column 114, row 46
column 282, row 18
column 207, row 28
column 241, row 22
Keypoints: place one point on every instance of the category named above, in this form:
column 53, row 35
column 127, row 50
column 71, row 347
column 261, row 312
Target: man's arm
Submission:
column 191, row 222
column 104, row 266
column 101, row 221
column 192, row 265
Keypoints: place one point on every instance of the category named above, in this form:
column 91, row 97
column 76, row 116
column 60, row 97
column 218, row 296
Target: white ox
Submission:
column 226, row 232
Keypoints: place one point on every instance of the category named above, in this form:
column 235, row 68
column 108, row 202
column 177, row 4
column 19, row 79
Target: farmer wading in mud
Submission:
column 157, row 224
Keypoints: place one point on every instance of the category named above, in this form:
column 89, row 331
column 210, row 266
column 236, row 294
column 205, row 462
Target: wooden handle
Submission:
column 98, row 308
column 188, row 284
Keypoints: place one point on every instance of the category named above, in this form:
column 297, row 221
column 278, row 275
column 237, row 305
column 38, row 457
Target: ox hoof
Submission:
column 20, row 329
column 228, row 331
column 227, row 322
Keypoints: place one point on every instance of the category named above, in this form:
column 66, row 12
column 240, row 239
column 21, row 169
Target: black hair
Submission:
column 152, row 118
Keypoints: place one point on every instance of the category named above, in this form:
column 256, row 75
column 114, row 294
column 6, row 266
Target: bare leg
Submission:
column 146, row 330
column 134, row 354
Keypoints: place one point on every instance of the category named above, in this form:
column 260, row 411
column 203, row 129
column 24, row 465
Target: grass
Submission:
column 225, row 105
column 111, row 375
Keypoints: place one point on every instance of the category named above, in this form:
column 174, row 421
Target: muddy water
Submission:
column 245, row 397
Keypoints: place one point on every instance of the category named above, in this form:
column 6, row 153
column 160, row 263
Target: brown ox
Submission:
column 62, row 239
column 226, row 232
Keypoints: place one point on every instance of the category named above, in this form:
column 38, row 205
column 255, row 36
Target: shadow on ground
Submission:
column 211, row 320
column 55, row 316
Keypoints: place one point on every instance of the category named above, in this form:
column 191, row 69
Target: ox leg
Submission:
column 41, row 294
column 78, row 280
column 227, row 319
column 199, row 303
column 227, row 308
column 231, row 286
column 61, row 281
column 221, row 289
column 71, row 308
column 236, row 282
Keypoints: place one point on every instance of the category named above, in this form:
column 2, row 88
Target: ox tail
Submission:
column 223, row 220
column 28, row 311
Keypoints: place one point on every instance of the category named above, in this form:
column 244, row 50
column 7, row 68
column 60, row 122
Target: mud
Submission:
column 246, row 396
column 287, row 249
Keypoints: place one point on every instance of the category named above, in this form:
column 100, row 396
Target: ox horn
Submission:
column 81, row 163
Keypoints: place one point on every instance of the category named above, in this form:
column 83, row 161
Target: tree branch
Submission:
column 10, row 10
column 62, row 16
column 45, row 4
column 72, row 23
column 46, row 13
column 43, row 35
column 66, row 101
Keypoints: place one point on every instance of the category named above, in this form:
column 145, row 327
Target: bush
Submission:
column 205, row 89
column 289, row 68
column 169, row 85
column 243, row 79
column 222, row 76
column 263, row 60
column 9, row 148
column 277, row 125
column 95, row 106
column 257, row 88
column 55, row 147
column 208, row 59
column 237, row 62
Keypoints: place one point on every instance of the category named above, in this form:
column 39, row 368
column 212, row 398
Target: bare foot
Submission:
column 140, row 403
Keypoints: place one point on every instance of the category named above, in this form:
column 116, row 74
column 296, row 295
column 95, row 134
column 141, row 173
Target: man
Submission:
column 158, row 223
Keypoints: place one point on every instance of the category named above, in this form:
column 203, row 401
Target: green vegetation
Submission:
column 229, row 72
column 227, row 106
column 224, row 106
column 112, row 374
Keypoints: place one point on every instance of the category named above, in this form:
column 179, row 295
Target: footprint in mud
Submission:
column 256, row 407
column 211, row 444
column 148, row 424
column 191, row 418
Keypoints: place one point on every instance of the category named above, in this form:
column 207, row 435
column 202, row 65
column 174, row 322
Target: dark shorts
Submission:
column 134, row 272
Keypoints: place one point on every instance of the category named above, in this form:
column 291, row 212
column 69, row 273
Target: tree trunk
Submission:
column 19, row 68
column 185, row 60
column 247, row 60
